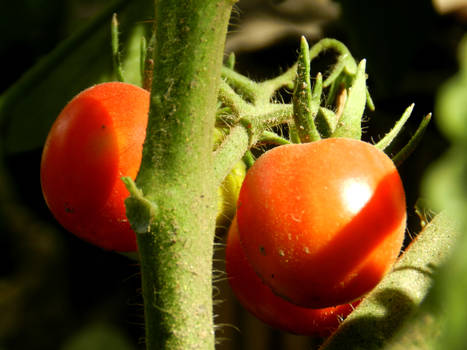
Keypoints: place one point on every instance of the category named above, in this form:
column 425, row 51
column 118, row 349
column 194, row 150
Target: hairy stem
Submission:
column 173, row 210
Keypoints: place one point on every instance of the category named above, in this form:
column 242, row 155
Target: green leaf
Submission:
column 451, row 103
column 29, row 115
column 451, row 107
column 326, row 121
column 444, row 183
column 440, row 322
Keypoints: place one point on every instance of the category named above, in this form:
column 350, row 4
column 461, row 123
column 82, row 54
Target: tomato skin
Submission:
column 259, row 300
column 96, row 139
column 322, row 222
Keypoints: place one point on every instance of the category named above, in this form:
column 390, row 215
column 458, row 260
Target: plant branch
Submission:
column 231, row 151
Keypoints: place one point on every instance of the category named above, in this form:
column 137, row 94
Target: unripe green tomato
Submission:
column 228, row 195
column 229, row 189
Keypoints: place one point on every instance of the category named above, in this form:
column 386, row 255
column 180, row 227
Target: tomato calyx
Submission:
column 333, row 106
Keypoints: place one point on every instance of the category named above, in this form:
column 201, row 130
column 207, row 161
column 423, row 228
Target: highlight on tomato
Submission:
column 95, row 141
column 277, row 312
column 321, row 223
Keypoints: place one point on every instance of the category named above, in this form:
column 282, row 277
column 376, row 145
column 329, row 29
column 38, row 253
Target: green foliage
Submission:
column 73, row 66
column 445, row 187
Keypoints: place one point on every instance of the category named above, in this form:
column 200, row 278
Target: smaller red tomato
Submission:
column 258, row 298
column 95, row 141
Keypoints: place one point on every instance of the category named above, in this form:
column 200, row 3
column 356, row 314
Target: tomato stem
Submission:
column 177, row 175
column 231, row 150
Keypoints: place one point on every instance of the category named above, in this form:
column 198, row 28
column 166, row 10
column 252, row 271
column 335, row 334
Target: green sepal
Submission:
column 325, row 121
column 349, row 124
column 270, row 137
column 407, row 150
column 303, row 99
column 316, row 95
column 386, row 141
column 230, row 61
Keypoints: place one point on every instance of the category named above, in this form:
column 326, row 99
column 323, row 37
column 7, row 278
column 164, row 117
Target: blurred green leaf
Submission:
column 30, row 117
column 440, row 322
column 443, row 183
column 451, row 104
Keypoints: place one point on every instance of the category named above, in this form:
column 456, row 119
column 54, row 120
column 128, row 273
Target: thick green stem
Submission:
column 173, row 212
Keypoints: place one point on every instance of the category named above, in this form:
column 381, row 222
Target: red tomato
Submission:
column 322, row 222
column 96, row 139
column 258, row 298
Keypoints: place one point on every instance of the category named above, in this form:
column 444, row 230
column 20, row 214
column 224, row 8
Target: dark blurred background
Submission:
column 57, row 292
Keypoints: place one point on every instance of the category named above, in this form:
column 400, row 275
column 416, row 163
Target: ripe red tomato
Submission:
column 258, row 298
column 96, row 139
column 322, row 222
